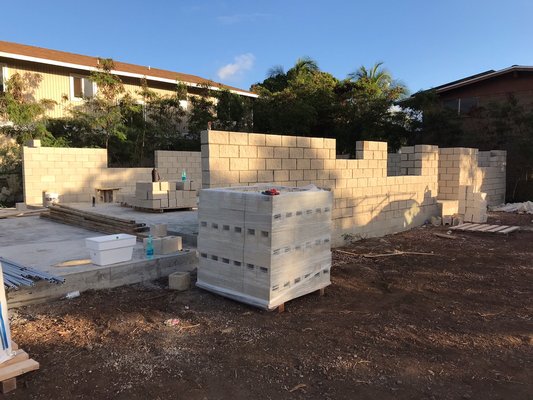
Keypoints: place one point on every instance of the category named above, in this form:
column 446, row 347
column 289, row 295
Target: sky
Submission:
column 422, row 43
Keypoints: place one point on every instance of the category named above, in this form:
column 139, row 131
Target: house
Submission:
column 491, row 86
column 64, row 77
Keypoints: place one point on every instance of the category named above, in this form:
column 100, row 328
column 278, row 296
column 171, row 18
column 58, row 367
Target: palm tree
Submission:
column 303, row 65
column 379, row 80
column 275, row 71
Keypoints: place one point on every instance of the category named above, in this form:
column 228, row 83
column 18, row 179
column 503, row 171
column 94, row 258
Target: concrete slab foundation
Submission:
column 43, row 245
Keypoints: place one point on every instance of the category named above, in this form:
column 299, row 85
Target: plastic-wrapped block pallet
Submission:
column 264, row 250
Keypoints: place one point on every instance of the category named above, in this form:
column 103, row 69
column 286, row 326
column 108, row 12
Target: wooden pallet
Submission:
column 486, row 228
column 16, row 366
column 281, row 308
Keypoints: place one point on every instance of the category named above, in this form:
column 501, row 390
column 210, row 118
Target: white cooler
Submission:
column 111, row 249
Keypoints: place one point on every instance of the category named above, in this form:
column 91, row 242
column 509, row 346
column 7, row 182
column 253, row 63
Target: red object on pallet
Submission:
column 271, row 192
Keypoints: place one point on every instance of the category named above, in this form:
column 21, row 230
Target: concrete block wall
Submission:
column 492, row 170
column 170, row 164
column 393, row 164
column 466, row 167
column 75, row 173
column 366, row 201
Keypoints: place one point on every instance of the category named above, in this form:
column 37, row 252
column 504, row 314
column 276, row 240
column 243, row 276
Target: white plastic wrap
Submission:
column 264, row 250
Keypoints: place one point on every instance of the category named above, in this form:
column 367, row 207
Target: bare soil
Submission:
column 453, row 325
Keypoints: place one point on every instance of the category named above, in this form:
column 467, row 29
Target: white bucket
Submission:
column 50, row 198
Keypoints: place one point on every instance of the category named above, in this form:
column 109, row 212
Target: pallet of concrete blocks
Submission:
column 166, row 195
column 261, row 249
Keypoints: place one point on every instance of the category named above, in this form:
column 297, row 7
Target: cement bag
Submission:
column 5, row 333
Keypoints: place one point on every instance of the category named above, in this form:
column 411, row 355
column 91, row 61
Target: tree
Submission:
column 233, row 112
column 300, row 102
column 202, row 111
column 26, row 117
column 101, row 115
column 367, row 109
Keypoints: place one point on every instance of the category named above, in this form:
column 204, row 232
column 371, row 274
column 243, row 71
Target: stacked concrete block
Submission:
column 476, row 206
column 166, row 195
column 491, row 178
column 165, row 244
column 264, row 250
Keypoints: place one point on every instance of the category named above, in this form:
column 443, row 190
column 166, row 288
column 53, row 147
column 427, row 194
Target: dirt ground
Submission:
column 453, row 325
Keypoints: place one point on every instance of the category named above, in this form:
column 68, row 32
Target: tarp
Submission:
column 521, row 208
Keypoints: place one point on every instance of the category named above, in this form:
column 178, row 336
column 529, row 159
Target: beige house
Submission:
column 64, row 77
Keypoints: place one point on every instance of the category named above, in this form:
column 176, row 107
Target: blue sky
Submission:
column 422, row 43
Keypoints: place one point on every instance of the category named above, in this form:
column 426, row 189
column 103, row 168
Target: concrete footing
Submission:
column 115, row 275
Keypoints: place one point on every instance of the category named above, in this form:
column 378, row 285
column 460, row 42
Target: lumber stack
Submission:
column 16, row 366
column 93, row 221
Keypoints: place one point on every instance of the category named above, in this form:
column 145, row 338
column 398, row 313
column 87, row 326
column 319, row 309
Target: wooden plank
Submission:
column 462, row 226
column 9, row 385
column 485, row 227
column 14, row 346
column 471, row 227
column 20, row 355
column 14, row 370
column 498, row 228
column 509, row 230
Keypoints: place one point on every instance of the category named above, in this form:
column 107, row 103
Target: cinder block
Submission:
column 156, row 243
column 179, row 281
column 158, row 230
column 171, row 244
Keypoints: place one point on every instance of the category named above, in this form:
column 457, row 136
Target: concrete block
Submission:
column 156, row 243
column 158, row 230
column 179, row 281
column 171, row 244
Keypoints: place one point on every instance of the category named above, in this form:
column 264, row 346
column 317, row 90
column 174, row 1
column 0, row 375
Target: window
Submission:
column 467, row 105
column 461, row 106
column 81, row 87
column 3, row 77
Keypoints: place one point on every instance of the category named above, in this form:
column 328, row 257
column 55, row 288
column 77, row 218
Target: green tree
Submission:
column 25, row 116
column 300, row 102
column 101, row 116
column 202, row 111
column 233, row 112
column 367, row 109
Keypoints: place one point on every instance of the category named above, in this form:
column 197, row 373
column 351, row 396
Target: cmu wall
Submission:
column 483, row 170
column 75, row 173
column 366, row 201
column 492, row 166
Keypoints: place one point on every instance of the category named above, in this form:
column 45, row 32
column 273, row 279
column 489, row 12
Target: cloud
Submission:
column 243, row 62
column 236, row 18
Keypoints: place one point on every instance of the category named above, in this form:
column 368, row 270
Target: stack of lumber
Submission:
column 93, row 221
column 16, row 366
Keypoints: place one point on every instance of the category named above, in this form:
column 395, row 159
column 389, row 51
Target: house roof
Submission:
column 481, row 77
column 78, row 61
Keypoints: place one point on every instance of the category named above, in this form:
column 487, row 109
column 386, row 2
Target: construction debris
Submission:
column 16, row 275
column 520, row 208
column 93, row 221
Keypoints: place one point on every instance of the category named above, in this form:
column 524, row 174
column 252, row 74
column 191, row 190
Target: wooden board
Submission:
column 485, row 228
column 19, row 368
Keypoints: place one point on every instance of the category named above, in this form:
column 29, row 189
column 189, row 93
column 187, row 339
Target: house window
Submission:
column 3, row 77
column 81, row 87
column 467, row 104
